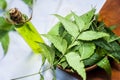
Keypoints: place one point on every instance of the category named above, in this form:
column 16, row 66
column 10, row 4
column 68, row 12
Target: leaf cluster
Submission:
column 5, row 27
column 78, row 42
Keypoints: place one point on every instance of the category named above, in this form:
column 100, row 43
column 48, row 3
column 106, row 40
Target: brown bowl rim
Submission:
column 87, row 69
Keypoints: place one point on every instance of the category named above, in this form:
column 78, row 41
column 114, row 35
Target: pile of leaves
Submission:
column 78, row 42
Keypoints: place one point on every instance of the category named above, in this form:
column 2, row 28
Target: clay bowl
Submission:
column 116, row 65
column 75, row 74
column 93, row 73
column 87, row 69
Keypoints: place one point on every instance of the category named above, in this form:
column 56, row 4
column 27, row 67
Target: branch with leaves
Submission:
column 77, row 42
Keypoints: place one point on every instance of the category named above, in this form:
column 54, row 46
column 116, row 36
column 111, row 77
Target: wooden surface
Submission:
column 110, row 14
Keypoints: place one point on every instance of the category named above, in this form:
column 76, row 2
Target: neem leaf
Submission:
column 103, row 44
column 87, row 17
column 48, row 52
column 56, row 27
column 92, row 60
column 58, row 42
column 86, row 50
column 113, row 47
column 92, row 35
column 29, row 2
column 43, row 58
column 2, row 34
column 4, row 37
column 98, row 55
column 104, row 63
column 69, row 26
column 41, row 77
column 5, row 43
column 79, row 22
column 3, row 4
column 82, row 25
column 114, row 38
column 4, row 25
column 74, row 60
column 74, row 44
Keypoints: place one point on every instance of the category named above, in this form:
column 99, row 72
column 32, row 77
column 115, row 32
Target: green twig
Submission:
column 31, row 74
column 25, row 76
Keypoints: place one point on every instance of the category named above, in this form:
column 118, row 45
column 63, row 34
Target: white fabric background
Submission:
column 19, row 61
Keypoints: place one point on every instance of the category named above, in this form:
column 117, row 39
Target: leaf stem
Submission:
column 56, row 62
column 74, row 40
column 25, row 76
column 32, row 74
column 45, row 70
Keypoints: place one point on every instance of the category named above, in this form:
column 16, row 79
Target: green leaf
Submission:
column 5, row 43
column 58, row 42
column 86, row 50
column 82, row 25
column 4, row 25
column 104, row 63
column 43, row 58
column 103, row 44
column 114, row 38
column 41, row 77
column 113, row 48
column 47, row 52
column 55, row 30
column 79, row 22
column 87, row 17
column 3, row 4
column 75, row 62
column 4, row 29
column 69, row 26
column 92, row 35
column 92, row 60
column 76, row 43
column 29, row 2
column 2, row 34
column 69, row 16
column 99, row 54
column 65, row 35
